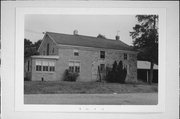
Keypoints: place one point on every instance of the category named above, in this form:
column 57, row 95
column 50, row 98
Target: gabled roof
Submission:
column 88, row 41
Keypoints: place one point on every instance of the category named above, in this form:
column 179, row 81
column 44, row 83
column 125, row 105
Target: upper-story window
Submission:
column 76, row 52
column 102, row 54
column 125, row 56
column 47, row 49
column 28, row 65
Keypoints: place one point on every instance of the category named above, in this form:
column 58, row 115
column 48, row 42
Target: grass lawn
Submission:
column 63, row 87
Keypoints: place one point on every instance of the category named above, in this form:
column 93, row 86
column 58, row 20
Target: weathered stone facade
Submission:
column 53, row 50
column 89, row 58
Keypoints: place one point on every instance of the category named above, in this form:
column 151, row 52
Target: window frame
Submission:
column 76, row 52
column 38, row 65
column 74, row 66
column 102, row 54
column 102, row 69
column 125, row 56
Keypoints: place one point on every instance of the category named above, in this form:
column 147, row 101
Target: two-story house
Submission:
column 79, row 53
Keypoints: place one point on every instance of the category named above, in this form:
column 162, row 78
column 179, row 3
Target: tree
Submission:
column 30, row 48
column 116, row 74
column 37, row 44
column 101, row 36
column 145, row 34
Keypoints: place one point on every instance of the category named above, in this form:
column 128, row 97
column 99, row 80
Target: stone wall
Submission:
column 53, row 50
column 90, row 60
column 38, row 75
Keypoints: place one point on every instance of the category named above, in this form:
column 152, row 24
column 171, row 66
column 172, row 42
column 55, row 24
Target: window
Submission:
column 125, row 56
column 71, row 67
column 51, row 66
column 77, row 67
column 102, row 67
column 127, row 68
column 74, row 66
column 47, row 49
column 102, row 54
column 76, row 52
column 38, row 65
column 28, row 65
column 45, row 65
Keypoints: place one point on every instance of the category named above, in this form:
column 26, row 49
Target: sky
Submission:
column 90, row 25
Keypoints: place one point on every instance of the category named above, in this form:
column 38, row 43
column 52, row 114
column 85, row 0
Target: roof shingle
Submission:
column 88, row 41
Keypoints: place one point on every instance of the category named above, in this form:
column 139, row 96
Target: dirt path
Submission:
column 99, row 99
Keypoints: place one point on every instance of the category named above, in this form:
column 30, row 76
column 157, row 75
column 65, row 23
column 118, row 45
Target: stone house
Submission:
column 87, row 55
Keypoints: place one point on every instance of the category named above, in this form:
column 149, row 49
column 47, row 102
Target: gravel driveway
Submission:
column 93, row 99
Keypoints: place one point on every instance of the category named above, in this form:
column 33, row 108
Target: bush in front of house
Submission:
column 70, row 76
column 26, row 79
column 116, row 74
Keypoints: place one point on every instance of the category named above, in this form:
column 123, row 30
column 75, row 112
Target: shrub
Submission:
column 117, row 74
column 26, row 79
column 70, row 76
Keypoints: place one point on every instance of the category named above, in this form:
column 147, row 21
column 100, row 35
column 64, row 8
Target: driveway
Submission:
column 93, row 99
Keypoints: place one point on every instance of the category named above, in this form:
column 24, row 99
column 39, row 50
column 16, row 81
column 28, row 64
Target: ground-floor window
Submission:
column 74, row 66
column 102, row 67
column 127, row 68
column 38, row 65
column 51, row 66
column 45, row 65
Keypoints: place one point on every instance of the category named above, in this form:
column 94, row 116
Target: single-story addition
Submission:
column 143, row 71
column 86, row 55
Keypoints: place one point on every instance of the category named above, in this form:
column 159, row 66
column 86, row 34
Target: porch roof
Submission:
column 145, row 65
column 45, row 57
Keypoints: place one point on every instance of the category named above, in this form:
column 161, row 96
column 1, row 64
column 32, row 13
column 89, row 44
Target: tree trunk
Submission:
column 151, row 73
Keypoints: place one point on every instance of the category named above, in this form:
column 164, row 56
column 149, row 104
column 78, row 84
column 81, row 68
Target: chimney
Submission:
column 117, row 37
column 75, row 32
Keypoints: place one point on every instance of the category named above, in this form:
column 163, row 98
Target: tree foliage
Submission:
column 101, row 36
column 117, row 74
column 31, row 48
column 145, row 35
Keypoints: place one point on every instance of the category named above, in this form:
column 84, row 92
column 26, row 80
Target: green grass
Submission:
column 63, row 87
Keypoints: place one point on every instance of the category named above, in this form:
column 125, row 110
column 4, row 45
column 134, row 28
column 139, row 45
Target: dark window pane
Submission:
column 102, row 54
column 76, row 54
column 102, row 67
column 125, row 56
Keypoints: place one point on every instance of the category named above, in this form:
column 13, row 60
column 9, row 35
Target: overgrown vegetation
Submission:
column 26, row 79
column 31, row 48
column 70, row 76
column 145, row 35
column 117, row 74
column 67, row 87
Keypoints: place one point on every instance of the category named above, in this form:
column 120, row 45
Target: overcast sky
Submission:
column 90, row 25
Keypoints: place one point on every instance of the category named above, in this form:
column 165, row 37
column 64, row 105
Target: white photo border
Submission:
column 19, row 60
